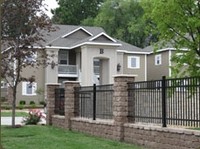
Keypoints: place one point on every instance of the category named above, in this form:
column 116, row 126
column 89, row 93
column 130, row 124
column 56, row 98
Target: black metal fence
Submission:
column 95, row 101
column 59, row 101
column 166, row 101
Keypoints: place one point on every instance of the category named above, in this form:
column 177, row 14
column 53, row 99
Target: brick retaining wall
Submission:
column 58, row 121
column 96, row 128
column 154, row 137
column 157, row 137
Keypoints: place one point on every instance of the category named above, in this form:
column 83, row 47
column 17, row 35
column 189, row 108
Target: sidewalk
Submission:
column 18, row 120
column 8, row 120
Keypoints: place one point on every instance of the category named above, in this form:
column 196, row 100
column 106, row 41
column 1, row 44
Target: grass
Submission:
column 47, row 137
column 197, row 128
column 17, row 114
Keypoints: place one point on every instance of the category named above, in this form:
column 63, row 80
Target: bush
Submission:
column 22, row 102
column 33, row 118
column 32, row 103
column 3, row 99
column 21, row 106
column 42, row 103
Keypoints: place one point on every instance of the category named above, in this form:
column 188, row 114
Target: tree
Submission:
column 122, row 20
column 178, row 23
column 72, row 12
column 23, row 22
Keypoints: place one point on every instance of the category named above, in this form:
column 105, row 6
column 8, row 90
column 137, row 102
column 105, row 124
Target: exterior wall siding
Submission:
column 120, row 61
column 39, row 79
column 155, row 72
column 39, row 74
column 109, row 58
column 140, row 72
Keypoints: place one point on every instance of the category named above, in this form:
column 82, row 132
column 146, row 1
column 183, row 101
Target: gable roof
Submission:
column 103, row 34
column 60, row 38
column 80, row 28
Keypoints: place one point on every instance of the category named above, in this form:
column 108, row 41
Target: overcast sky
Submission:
column 51, row 5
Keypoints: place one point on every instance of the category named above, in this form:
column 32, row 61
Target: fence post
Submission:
column 70, row 102
column 94, row 102
column 164, row 124
column 120, row 104
column 51, row 101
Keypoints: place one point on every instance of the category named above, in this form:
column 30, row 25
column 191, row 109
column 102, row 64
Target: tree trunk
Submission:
column 14, row 106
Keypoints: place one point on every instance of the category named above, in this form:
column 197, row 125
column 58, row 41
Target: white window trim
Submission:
column 24, row 88
column 3, row 84
column 32, row 59
column 160, row 58
column 137, row 62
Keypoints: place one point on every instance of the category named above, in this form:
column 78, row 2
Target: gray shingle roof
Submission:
column 55, row 38
column 130, row 48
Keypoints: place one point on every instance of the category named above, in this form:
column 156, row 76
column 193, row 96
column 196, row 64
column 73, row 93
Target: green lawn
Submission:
column 47, row 137
column 18, row 113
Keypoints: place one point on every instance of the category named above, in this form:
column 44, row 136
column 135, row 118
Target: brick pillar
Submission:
column 120, row 104
column 71, row 104
column 51, row 101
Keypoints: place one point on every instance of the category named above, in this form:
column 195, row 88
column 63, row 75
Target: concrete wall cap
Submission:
column 124, row 75
column 58, row 116
column 71, row 82
column 53, row 84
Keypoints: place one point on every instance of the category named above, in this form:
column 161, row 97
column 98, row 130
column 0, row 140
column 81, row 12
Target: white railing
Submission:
column 67, row 69
column 96, row 70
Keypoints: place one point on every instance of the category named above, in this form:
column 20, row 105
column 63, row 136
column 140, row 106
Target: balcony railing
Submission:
column 96, row 70
column 67, row 70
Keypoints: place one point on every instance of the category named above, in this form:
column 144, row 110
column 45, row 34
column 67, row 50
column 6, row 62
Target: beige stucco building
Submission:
column 90, row 56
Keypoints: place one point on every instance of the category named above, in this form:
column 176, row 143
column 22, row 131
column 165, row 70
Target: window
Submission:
column 31, row 58
column 63, row 57
column 158, row 59
column 133, row 62
column 3, row 84
column 28, row 88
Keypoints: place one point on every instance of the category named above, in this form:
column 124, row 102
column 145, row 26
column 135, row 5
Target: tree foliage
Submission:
column 22, row 24
column 178, row 22
column 123, row 20
column 72, row 12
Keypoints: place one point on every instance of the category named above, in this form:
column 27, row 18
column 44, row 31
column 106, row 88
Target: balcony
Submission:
column 96, row 70
column 67, row 70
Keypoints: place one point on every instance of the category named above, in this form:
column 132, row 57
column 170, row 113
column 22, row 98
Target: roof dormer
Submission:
column 78, row 33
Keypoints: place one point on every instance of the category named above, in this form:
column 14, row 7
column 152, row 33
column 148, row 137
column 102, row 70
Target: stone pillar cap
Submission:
column 53, row 84
column 125, row 75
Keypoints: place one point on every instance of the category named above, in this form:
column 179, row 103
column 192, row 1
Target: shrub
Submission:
column 7, row 107
column 34, row 117
column 42, row 103
column 3, row 99
column 22, row 102
column 21, row 106
column 32, row 103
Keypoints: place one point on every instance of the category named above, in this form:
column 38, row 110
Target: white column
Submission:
column 86, row 67
column 51, row 71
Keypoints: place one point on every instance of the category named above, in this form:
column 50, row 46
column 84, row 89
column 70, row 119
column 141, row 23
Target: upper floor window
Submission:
column 133, row 62
column 63, row 57
column 3, row 84
column 29, row 89
column 158, row 59
column 31, row 58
